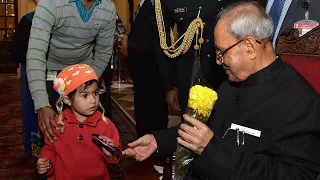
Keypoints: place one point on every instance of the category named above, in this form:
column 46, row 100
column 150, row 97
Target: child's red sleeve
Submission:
column 49, row 151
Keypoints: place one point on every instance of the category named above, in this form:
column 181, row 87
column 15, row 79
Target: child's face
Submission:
column 86, row 102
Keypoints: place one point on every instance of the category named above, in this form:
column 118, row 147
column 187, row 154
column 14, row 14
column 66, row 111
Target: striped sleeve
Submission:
column 41, row 29
column 104, row 44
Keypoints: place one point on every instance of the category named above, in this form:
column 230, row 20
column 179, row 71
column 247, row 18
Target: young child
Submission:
column 74, row 155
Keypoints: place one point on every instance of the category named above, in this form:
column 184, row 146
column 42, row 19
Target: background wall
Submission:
column 24, row 7
column 124, row 13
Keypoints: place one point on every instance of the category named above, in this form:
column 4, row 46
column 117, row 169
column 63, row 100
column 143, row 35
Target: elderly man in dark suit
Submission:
column 265, row 124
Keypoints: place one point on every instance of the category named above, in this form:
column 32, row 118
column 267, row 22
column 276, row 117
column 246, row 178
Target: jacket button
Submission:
column 207, row 40
column 203, row 177
column 80, row 137
column 238, row 98
column 80, row 125
column 208, row 55
column 181, row 19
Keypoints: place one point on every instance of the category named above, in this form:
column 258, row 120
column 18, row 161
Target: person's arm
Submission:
column 166, row 140
column 164, row 65
column 19, row 45
column 41, row 29
column 42, row 24
column 295, row 146
column 104, row 44
column 49, row 151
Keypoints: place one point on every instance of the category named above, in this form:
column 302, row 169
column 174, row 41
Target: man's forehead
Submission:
column 220, row 29
column 221, row 25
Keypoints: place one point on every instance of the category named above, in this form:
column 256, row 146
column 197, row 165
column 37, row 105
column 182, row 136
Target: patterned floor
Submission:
column 13, row 164
column 122, row 95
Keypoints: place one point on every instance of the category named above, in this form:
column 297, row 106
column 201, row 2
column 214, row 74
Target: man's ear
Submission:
column 251, row 47
column 67, row 100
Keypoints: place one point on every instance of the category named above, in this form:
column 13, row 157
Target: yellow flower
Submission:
column 202, row 99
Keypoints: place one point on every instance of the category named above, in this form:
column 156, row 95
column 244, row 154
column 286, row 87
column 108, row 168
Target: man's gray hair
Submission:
column 244, row 21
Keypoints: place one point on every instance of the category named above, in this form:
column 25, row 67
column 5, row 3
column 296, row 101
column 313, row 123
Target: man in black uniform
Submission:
column 151, row 111
column 182, row 12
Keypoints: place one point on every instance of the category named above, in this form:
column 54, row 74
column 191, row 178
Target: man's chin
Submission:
column 233, row 79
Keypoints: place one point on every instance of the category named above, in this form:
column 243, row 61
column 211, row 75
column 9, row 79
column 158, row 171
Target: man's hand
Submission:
column 46, row 120
column 195, row 137
column 142, row 148
column 43, row 164
column 172, row 99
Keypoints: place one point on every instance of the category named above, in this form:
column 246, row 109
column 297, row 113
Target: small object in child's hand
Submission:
column 112, row 149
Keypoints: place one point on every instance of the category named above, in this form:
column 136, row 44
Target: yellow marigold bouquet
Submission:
column 201, row 101
column 200, row 104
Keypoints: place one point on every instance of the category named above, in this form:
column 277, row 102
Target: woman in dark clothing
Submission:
column 32, row 140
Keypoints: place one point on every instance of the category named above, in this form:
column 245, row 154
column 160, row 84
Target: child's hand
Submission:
column 110, row 141
column 43, row 164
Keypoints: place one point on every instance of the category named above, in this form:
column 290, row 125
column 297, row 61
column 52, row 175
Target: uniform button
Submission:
column 80, row 125
column 219, row 0
column 208, row 55
column 181, row 19
column 221, row 8
column 80, row 137
column 207, row 40
column 238, row 98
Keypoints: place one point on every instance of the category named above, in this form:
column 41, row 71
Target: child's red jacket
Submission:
column 74, row 155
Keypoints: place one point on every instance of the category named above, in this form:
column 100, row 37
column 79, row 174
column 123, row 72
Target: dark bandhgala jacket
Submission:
column 278, row 102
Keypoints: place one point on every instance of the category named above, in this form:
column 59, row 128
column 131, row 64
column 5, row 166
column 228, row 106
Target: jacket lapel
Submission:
column 292, row 11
